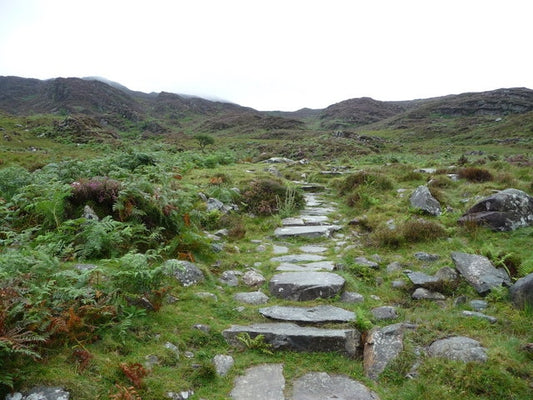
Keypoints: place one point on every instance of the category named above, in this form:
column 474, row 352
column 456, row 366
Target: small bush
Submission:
column 419, row 230
column 412, row 231
column 375, row 180
column 264, row 197
column 473, row 174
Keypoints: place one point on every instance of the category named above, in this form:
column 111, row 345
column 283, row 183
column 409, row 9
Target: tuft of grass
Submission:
column 474, row 174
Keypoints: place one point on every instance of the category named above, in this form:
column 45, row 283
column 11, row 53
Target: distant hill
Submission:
column 112, row 105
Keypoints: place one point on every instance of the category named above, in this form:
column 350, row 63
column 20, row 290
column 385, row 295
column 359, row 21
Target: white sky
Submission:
column 275, row 54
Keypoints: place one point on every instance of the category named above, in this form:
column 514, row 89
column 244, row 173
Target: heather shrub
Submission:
column 474, row 174
column 265, row 196
column 373, row 180
column 99, row 191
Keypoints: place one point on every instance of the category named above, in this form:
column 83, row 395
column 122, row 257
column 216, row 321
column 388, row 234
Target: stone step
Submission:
column 289, row 336
column 295, row 258
column 309, row 231
column 324, row 211
column 304, row 220
column 262, row 382
column 322, row 386
column 308, row 267
column 311, row 315
column 302, row 286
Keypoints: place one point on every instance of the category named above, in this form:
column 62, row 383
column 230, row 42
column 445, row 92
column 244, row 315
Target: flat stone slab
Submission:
column 458, row 348
column 480, row 272
column 292, row 221
column 251, row 298
column 309, row 231
column 313, row 249
column 302, row 286
column 308, row 267
column 289, row 336
column 421, row 279
column 321, row 386
column 315, row 219
column 318, row 314
column 316, row 211
column 295, row 258
column 263, row 382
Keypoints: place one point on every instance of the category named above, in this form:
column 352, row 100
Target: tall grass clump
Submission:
column 268, row 197
column 411, row 231
column 474, row 174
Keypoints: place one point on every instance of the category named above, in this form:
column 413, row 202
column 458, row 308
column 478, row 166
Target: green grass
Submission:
column 177, row 178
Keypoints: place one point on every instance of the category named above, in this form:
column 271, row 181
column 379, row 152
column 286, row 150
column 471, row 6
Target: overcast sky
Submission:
column 275, row 54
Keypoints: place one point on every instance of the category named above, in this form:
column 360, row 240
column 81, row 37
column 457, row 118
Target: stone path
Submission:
column 307, row 273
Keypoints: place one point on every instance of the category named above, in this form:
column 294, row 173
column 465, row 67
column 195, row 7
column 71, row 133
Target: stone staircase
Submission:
column 303, row 276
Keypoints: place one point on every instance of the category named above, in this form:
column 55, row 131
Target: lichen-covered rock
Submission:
column 507, row 210
column 321, row 386
column 185, row 272
column 458, row 348
column 423, row 200
column 480, row 272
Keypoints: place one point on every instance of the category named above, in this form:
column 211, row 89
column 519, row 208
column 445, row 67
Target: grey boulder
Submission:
column 480, row 272
column 458, row 348
column 506, row 210
column 423, row 200
column 522, row 292
column 184, row 271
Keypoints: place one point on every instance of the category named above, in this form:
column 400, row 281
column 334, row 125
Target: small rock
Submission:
column 151, row 360
column 261, row 248
column 184, row 395
column 41, row 393
column 230, row 278
column 280, row 249
column 202, row 327
column 382, row 345
column 458, row 348
column 422, row 256
column 89, row 214
column 321, row 386
column 384, row 313
column 492, row 320
column 223, row 364
column 424, row 294
column 254, row 298
column 85, row 267
column 394, row 266
column 184, row 271
column 399, row 284
column 352, row 297
column 173, row 348
column 253, row 278
column 364, row 262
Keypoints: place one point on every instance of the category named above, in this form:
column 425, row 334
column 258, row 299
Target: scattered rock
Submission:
column 313, row 249
column 301, row 286
column 394, row 267
column 424, row 294
column 173, row 349
column 183, row 395
column 426, row 257
column 480, row 272
column 184, row 271
column 223, row 364
column 206, row 295
column 279, row 160
column 476, row 314
column 522, row 292
column 419, row 279
column 507, row 210
column 364, row 262
column 254, row 298
column 458, row 348
column 399, row 284
column 289, row 336
column 280, row 249
column 352, row 298
column 89, row 214
column 315, row 315
column 253, row 278
column 41, row 393
column 321, row 386
column 423, row 200
column 384, row 313
column 381, row 347
column 203, row 328
column 230, row 278
column 262, row 382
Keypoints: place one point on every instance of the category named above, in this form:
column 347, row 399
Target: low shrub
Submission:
column 474, row 174
column 266, row 196
column 364, row 178
column 412, row 231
